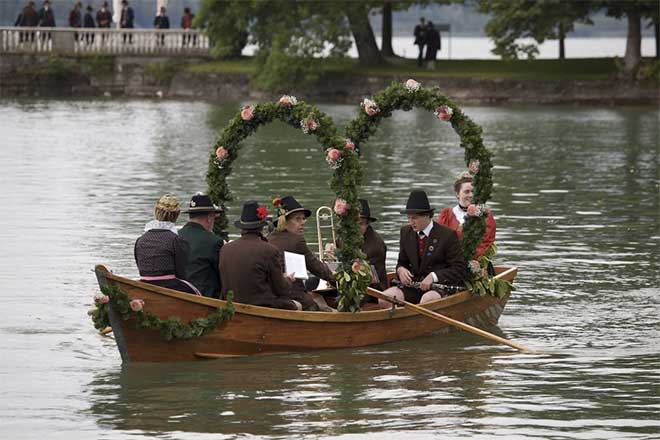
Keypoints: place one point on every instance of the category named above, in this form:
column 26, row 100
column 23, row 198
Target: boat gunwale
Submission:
column 291, row 315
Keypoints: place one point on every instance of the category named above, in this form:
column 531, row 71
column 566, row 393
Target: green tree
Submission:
column 288, row 35
column 634, row 11
column 537, row 19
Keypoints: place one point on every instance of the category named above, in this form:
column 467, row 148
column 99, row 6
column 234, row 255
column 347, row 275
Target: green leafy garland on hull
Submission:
column 171, row 328
column 409, row 95
column 340, row 156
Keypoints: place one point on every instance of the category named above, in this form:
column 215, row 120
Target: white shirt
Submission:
column 459, row 214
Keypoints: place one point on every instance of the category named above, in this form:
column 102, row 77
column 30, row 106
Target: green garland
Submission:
column 409, row 95
column 171, row 328
column 345, row 182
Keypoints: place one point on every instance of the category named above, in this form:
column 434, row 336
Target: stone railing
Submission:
column 139, row 42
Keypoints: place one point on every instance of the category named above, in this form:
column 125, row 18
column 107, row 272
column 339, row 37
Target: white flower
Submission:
column 412, row 85
column 369, row 106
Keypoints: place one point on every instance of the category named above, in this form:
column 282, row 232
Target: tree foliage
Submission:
column 537, row 19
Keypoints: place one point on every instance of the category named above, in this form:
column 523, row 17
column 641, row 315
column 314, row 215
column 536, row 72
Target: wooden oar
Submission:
column 106, row 330
column 435, row 315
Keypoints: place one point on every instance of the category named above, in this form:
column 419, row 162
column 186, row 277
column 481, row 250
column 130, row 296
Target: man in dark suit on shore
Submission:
column 203, row 268
column 429, row 253
column 250, row 266
column 420, row 39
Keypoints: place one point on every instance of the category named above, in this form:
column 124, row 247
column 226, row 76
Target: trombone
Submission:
column 324, row 220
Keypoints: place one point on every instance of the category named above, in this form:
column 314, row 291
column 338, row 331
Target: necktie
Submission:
column 421, row 244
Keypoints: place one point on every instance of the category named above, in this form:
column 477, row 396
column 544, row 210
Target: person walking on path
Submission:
column 420, row 40
column 433, row 45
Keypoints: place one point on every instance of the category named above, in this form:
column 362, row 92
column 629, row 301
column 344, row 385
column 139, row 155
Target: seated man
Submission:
column 428, row 253
column 203, row 268
column 373, row 247
column 250, row 267
column 290, row 237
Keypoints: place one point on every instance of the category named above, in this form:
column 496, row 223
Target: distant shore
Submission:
column 584, row 81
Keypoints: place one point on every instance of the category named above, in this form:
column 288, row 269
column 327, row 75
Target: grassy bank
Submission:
column 570, row 69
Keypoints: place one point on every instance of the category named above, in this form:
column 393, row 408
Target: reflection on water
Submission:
column 577, row 206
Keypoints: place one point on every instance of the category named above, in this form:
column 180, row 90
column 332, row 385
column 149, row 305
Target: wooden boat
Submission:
column 258, row 330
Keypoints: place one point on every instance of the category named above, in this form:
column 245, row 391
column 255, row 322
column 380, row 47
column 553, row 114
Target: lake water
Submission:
column 480, row 48
column 577, row 202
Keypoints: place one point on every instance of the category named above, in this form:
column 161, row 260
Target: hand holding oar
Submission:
column 434, row 315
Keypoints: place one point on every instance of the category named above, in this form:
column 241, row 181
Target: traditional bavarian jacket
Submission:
column 203, row 269
column 250, row 267
column 376, row 250
column 290, row 242
column 455, row 217
column 442, row 254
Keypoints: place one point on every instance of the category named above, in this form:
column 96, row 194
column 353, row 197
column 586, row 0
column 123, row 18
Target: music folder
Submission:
column 295, row 263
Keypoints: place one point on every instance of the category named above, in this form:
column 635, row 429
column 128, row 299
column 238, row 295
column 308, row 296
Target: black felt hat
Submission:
column 289, row 205
column 202, row 203
column 250, row 216
column 418, row 203
column 365, row 212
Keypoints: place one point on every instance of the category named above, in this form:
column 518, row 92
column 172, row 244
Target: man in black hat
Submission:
column 250, row 267
column 374, row 247
column 290, row 237
column 203, row 268
column 428, row 253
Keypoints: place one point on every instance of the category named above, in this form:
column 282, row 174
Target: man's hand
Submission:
column 404, row 276
column 425, row 285
column 290, row 276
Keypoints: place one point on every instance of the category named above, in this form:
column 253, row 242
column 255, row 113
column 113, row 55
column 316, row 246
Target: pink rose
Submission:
column 349, row 145
column 136, row 305
column 341, row 207
column 412, row 85
column 473, row 166
column 444, row 113
column 288, row 101
column 101, row 299
column 247, row 113
column 357, row 266
column 473, row 210
column 334, row 154
column 309, row 125
column 221, row 153
column 474, row 266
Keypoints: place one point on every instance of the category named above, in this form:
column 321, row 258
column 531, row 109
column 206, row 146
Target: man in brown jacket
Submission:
column 250, row 267
column 290, row 237
column 428, row 253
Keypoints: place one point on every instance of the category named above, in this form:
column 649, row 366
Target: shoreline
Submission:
column 43, row 76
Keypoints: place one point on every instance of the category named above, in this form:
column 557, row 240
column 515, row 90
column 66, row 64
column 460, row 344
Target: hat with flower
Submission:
column 253, row 216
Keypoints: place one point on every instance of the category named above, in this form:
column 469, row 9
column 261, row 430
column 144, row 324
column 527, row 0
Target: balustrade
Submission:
column 184, row 42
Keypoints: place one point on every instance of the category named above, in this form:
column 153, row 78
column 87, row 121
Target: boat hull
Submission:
column 259, row 330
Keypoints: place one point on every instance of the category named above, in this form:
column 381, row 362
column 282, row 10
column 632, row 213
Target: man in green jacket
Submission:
column 203, row 269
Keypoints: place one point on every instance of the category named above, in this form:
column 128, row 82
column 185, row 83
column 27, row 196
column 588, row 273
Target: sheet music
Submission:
column 295, row 263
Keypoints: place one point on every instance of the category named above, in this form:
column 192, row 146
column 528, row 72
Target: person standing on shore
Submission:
column 46, row 19
column 27, row 18
column 433, row 45
column 420, row 39
column 75, row 18
column 88, row 23
column 187, row 24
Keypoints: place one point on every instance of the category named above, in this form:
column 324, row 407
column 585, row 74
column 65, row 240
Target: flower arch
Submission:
column 352, row 279
column 408, row 95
